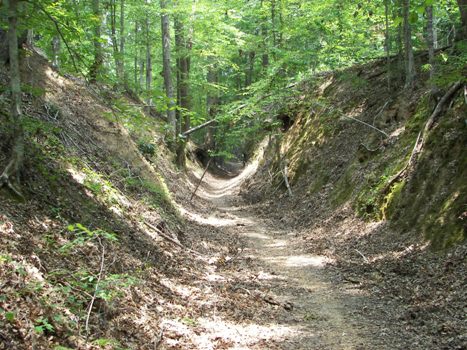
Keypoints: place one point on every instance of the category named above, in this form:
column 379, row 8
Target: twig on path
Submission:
column 158, row 340
column 96, row 288
column 273, row 301
column 170, row 239
column 363, row 256
column 200, row 180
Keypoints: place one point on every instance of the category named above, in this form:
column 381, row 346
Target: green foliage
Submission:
column 451, row 67
column 42, row 325
column 104, row 343
column 84, row 235
column 147, row 148
column 9, row 316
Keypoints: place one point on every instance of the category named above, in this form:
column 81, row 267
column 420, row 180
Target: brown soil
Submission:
column 302, row 303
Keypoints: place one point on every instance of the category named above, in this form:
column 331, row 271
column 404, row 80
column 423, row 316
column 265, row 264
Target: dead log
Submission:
column 170, row 239
column 196, row 128
column 201, row 179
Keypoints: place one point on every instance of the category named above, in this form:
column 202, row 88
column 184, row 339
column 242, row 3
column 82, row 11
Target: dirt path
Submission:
column 305, row 305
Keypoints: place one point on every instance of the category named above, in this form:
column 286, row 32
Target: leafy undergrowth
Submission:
column 382, row 240
column 79, row 266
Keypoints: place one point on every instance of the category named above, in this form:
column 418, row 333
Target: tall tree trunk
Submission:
column 212, row 102
column 165, row 26
column 113, row 36
column 463, row 11
column 409, row 56
column 265, row 48
column 251, row 66
column 183, row 46
column 55, row 52
column 136, row 61
column 273, row 23
column 11, row 173
column 148, row 64
column 387, row 43
column 30, row 37
column 121, row 67
column 281, row 22
column 96, row 68
column 142, row 66
column 430, row 39
column 118, row 45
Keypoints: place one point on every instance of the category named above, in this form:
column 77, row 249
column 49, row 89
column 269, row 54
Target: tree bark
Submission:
column 183, row 46
column 430, row 41
column 96, row 68
column 463, row 11
column 165, row 26
column 409, row 56
column 387, row 43
column 251, row 66
column 121, row 68
column 11, row 173
column 212, row 100
column 55, row 52
column 148, row 63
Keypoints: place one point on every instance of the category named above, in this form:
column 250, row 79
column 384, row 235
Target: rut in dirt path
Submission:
column 318, row 312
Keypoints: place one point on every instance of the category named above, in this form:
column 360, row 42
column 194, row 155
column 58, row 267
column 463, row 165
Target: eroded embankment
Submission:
column 341, row 206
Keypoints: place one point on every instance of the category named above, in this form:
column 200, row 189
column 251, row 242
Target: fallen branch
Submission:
column 158, row 340
column 201, row 179
column 272, row 301
column 363, row 256
column 441, row 106
column 380, row 111
column 170, row 239
column 196, row 128
column 369, row 125
column 96, row 288
column 286, row 180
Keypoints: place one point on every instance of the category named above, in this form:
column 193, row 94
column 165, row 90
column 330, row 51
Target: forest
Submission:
column 233, row 174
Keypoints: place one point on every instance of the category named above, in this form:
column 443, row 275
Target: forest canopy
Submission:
column 195, row 60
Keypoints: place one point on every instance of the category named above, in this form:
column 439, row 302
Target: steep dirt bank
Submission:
column 376, row 236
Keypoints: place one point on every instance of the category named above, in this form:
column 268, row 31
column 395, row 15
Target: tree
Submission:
column 463, row 11
column 408, row 46
column 167, row 71
column 11, row 174
column 118, row 45
column 96, row 68
column 148, row 60
column 430, row 39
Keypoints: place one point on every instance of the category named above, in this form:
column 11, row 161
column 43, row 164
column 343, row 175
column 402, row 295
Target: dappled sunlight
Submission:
column 256, row 235
column 244, row 334
column 210, row 220
column 300, row 260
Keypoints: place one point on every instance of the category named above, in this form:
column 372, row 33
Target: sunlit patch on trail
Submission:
column 300, row 260
column 255, row 234
column 242, row 335
column 210, row 220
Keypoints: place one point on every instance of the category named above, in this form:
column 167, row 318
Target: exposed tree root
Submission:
column 423, row 134
column 9, row 176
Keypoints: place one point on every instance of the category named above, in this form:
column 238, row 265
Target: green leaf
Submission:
column 39, row 329
column 413, row 18
column 10, row 316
